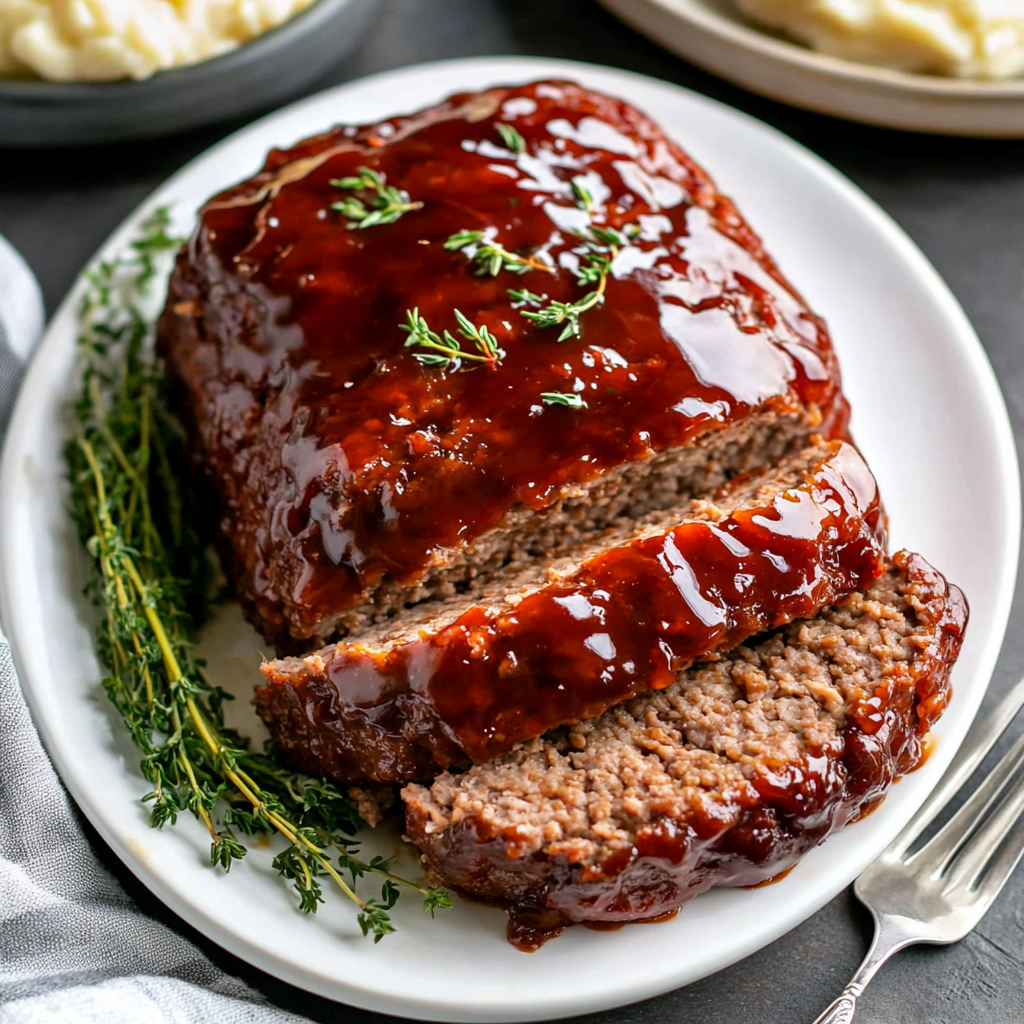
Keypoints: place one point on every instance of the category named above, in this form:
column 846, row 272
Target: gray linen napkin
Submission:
column 74, row 948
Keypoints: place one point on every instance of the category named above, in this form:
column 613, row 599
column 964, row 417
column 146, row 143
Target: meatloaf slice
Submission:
column 350, row 478
column 726, row 777
column 468, row 678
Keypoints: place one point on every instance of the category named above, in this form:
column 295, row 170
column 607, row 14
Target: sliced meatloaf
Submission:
column 726, row 777
column 466, row 679
column 643, row 349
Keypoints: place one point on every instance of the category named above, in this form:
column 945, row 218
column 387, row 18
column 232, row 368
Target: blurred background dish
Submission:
column 714, row 35
column 256, row 76
column 956, row 38
column 109, row 40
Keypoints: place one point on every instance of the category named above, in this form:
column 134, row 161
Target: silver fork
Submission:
column 938, row 892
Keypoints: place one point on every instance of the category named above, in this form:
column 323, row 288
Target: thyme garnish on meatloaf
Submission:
column 384, row 206
column 148, row 565
column 490, row 257
column 443, row 349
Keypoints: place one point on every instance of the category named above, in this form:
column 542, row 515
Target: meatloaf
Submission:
column 626, row 343
column 726, row 777
column 466, row 679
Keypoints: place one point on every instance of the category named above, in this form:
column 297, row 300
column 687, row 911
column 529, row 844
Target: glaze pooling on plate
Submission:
column 341, row 461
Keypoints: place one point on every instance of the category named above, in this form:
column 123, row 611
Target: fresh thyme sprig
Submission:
column 137, row 522
column 601, row 245
column 511, row 138
column 443, row 349
column 386, row 204
column 560, row 398
column 490, row 257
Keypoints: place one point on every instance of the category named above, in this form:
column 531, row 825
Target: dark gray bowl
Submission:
column 257, row 76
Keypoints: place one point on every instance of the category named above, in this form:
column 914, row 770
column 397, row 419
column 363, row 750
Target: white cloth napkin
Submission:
column 74, row 948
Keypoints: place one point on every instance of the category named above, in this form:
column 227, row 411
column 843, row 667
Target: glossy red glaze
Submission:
column 340, row 460
column 627, row 620
column 750, row 834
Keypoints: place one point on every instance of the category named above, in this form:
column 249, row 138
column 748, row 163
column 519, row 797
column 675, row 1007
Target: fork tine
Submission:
column 979, row 741
column 967, row 867
column 1002, row 865
column 943, row 847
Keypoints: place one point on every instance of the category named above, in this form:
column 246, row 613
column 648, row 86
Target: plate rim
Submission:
column 350, row 991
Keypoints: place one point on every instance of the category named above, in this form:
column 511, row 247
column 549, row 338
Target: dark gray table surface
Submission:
column 961, row 200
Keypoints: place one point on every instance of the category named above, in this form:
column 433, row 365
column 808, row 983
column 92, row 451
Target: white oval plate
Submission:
column 929, row 415
column 714, row 35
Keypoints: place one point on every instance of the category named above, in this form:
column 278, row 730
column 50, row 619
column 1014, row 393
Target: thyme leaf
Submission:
column 584, row 197
column 511, row 138
column 558, row 398
column 385, row 206
column 436, row 899
column 491, row 258
column 526, row 296
column 139, row 526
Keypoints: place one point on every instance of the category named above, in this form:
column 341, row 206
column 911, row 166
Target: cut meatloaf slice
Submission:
column 466, row 679
column 726, row 777
column 350, row 478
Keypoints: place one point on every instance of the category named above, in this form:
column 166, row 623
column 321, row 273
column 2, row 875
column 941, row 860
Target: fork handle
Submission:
column 842, row 1010
column 887, row 940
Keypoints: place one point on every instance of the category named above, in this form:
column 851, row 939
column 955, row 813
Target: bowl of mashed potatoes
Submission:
column 85, row 71
column 947, row 66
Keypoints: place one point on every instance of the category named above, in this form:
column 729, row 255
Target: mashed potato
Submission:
column 97, row 40
column 965, row 38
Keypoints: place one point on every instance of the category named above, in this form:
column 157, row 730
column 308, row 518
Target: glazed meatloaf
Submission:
column 412, row 353
column 465, row 679
column 726, row 777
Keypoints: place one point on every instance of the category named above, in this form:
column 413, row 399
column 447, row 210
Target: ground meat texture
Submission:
column 349, row 479
column 467, row 678
column 726, row 777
